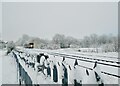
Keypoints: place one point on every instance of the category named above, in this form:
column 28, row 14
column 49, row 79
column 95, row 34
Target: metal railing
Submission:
column 28, row 80
column 23, row 76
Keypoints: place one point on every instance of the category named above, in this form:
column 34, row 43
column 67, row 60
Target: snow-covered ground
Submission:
column 8, row 73
column 107, row 79
column 9, row 68
column 113, row 70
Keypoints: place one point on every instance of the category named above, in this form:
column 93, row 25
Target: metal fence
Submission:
column 23, row 76
column 25, row 79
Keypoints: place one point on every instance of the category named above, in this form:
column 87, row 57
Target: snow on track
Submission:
column 109, row 69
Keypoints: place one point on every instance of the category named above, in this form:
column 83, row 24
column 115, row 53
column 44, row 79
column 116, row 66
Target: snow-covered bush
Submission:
column 10, row 46
column 2, row 44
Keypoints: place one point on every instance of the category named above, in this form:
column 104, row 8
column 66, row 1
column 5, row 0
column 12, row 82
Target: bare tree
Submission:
column 59, row 39
column 22, row 40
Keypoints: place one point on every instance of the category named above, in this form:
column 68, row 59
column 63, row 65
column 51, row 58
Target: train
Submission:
column 29, row 45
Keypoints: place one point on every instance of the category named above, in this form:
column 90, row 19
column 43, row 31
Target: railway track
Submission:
column 87, row 59
column 100, row 56
column 101, row 71
column 117, row 62
column 71, row 57
column 68, row 56
column 90, row 60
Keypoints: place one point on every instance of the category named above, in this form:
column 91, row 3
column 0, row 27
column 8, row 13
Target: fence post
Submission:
column 55, row 74
column 65, row 78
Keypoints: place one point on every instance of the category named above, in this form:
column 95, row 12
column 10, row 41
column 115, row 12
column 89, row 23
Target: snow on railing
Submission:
column 59, row 72
column 23, row 78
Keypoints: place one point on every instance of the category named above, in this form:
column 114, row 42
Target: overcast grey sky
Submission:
column 44, row 20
